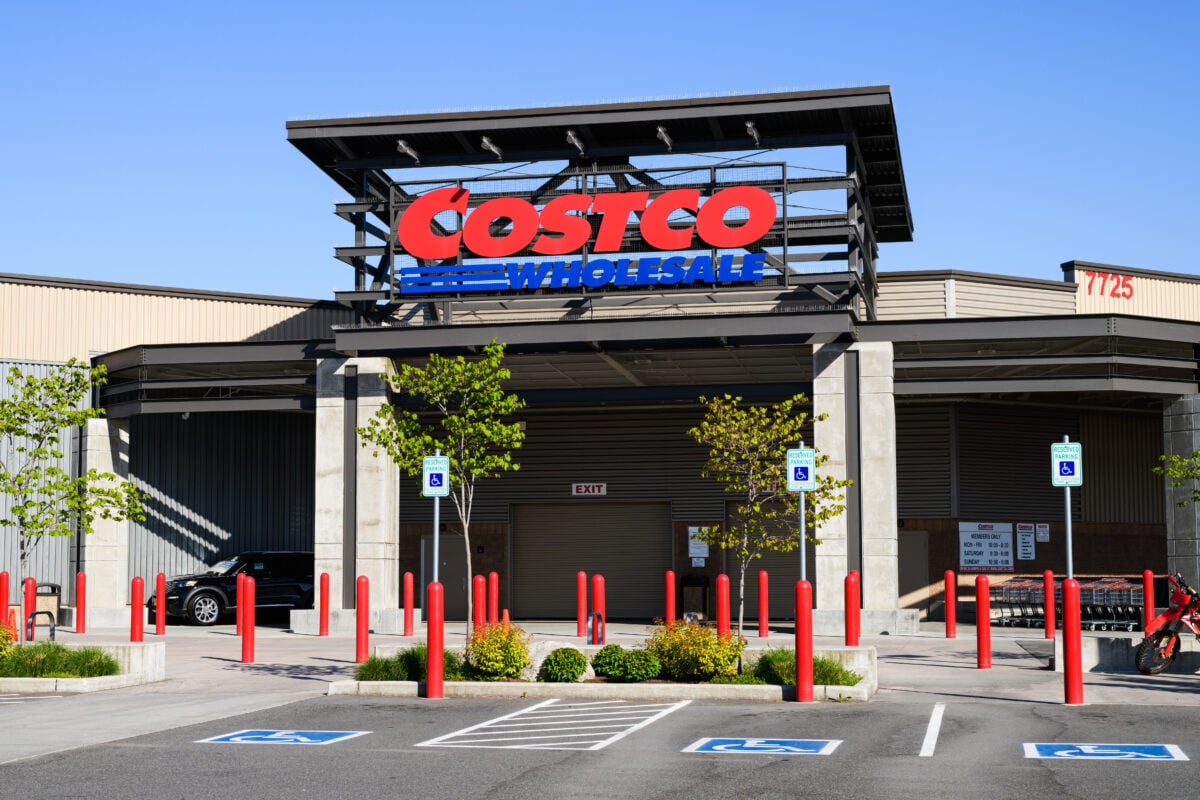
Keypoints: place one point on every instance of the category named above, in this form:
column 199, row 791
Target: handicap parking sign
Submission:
column 1108, row 752
column 764, row 747
column 801, row 469
column 435, row 473
column 266, row 736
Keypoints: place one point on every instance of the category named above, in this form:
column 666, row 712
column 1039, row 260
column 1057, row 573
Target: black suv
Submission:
column 282, row 579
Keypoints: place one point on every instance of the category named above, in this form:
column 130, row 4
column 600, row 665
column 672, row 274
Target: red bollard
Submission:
column 983, row 623
column 493, row 614
column 951, row 604
column 30, row 606
column 362, row 615
column 408, row 604
column 1048, row 601
column 670, row 594
column 1072, row 643
column 581, row 604
column 435, row 644
column 764, row 627
column 80, row 602
column 478, row 600
column 853, row 611
column 599, row 634
column 4, row 598
column 137, row 609
column 246, row 614
column 160, row 604
column 1147, row 598
column 241, row 601
column 323, row 607
column 722, row 606
column 804, row 643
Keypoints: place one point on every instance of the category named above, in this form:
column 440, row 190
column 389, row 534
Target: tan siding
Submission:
column 981, row 299
column 912, row 300
column 52, row 323
column 1150, row 297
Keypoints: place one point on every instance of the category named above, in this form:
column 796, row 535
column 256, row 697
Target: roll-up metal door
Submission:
column 1004, row 462
column 783, row 570
column 924, row 461
column 628, row 543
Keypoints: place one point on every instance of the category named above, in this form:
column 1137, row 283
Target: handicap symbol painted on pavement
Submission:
column 266, row 736
column 1128, row 752
column 808, row 747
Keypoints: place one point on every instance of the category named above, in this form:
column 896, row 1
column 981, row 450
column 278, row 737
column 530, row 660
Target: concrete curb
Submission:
column 603, row 691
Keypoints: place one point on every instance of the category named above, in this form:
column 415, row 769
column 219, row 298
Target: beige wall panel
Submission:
column 985, row 299
column 912, row 300
column 53, row 323
column 1137, row 294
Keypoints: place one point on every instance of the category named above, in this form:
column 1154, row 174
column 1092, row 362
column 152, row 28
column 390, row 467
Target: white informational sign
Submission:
column 802, row 469
column 1025, row 546
column 696, row 549
column 985, row 547
column 1043, row 531
column 698, row 562
column 1066, row 464
column 435, row 476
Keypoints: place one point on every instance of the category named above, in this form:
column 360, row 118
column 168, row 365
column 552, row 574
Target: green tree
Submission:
column 1180, row 470
column 469, row 409
column 748, row 447
column 44, row 499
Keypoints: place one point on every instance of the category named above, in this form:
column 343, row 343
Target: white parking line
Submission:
column 931, row 733
column 552, row 725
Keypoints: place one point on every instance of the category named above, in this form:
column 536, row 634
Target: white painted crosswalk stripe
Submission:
column 552, row 725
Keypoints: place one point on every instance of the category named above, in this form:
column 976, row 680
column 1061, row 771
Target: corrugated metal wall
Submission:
column 925, row 460
column 987, row 299
column 54, row 323
column 218, row 484
column 915, row 299
column 945, row 295
column 49, row 557
column 641, row 454
column 1119, row 452
column 1137, row 293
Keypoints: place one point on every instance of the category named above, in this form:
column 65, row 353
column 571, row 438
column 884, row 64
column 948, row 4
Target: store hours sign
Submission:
column 985, row 547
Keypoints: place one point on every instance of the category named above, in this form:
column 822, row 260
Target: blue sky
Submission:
column 145, row 142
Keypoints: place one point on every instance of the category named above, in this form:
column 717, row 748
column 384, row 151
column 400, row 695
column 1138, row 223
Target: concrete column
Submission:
column 853, row 388
column 357, row 520
column 877, row 483
column 829, row 400
column 1181, row 436
column 106, row 549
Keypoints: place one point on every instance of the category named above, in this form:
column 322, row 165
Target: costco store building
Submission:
column 634, row 257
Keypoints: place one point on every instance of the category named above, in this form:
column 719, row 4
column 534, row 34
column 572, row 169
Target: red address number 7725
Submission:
column 1099, row 283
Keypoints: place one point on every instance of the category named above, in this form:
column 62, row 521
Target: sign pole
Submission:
column 803, row 541
column 437, row 511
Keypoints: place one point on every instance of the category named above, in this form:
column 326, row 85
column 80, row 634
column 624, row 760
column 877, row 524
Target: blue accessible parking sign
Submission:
column 1124, row 752
column 765, row 747
column 264, row 736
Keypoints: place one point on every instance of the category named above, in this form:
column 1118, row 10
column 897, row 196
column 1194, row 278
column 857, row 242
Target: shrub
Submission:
column 52, row 660
column 778, row 666
column 609, row 661
column 7, row 637
column 639, row 665
column 495, row 653
column 741, row 679
column 408, row 665
column 564, row 665
column 692, row 652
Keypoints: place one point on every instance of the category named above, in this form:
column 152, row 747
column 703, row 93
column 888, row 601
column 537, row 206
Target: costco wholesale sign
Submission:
column 505, row 226
column 985, row 547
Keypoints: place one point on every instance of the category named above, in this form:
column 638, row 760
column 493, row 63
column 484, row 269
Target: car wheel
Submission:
column 205, row 609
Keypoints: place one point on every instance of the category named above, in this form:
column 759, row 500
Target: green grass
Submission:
column 52, row 660
column 778, row 666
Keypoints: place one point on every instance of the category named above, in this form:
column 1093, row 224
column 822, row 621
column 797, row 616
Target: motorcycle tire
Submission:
column 1150, row 658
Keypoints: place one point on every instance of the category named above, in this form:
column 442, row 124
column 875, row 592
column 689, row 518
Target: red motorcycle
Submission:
column 1161, row 645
